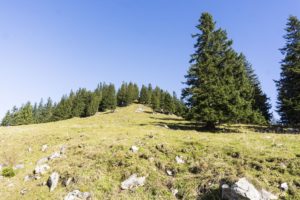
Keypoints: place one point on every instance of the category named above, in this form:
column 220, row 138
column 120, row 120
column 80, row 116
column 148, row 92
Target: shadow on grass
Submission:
column 189, row 126
column 212, row 194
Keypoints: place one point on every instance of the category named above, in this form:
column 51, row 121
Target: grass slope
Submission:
column 98, row 156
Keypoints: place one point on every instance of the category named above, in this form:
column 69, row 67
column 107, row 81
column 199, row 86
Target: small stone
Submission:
column 19, row 166
column 54, row 156
column 53, row 181
column 132, row 182
column 166, row 126
column 23, row 191
column 63, row 149
column 67, row 181
column 179, row 160
column 174, row 192
column 77, row 195
column 10, row 185
column 284, row 186
column 28, row 178
column 42, row 161
column 44, row 147
column 41, row 169
column 151, row 159
column 134, row 149
column 169, row 172
column 29, row 149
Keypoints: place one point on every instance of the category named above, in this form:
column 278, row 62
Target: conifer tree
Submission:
column 92, row 104
column 218, row 89
column 122, row 95
column 149, row 93
column 135, row 92
column 48, row 110
column 7, row 120
column 63, row 110
column 155, row 99
column 288, row 85
column 109, row 99
column 130, row 94
column 169, row 106
column 143, row 95
column 25, row 115
column 78, row 102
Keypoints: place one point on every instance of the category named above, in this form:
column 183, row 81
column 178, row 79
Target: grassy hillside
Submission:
column 99, row 159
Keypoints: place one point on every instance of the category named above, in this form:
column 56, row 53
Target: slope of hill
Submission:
column 98, row 157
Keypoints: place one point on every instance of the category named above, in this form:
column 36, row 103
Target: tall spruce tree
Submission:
column 122, row 95
column 218, row 89
column 109, row 99
column 289, row 84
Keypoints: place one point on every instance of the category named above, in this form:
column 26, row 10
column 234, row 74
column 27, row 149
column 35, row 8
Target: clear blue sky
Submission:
column 49, row 47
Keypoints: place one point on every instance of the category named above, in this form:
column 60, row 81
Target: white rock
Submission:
column 284, row 186
column 265, row 195
column 23, row 191
column 169, row 172
column 44, row 147
column 42, row 161
column 134, row 149
column 244, row 188
column 29, row 149
column 53, row 181
column 166, row 126
column 28, row 178
column 77, row 195
column 133, row 181
column 63, row 149
column 179, row 160
column 54, row 156
column 174, row 192
column 41, row 169
column 19, row 166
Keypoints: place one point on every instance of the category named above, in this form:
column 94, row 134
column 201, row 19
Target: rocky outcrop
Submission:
column 132, row 182
column 243, row 189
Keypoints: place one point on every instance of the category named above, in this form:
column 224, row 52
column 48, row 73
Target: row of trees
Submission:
column 221, row 86
column 85, row 103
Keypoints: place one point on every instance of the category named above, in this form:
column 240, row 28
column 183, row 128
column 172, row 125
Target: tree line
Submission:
column 85, row 103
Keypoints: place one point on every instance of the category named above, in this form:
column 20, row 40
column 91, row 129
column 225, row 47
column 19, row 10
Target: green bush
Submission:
column 8, row 172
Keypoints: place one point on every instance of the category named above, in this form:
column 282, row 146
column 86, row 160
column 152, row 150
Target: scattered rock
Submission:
column 54, row 156
column 42, row 161
column 41, row 169
column 284, row 186
column 166, row 126
column 19, row 166
column 77, row 195
column 243, row 189
column 151, row 159
column 29, row 149
column 23, row 191
column 132, row 182
column 44, row 147
column 63, row 149
column 134, row 149
column 174, row 192
column 169, row 172
column 53, row 181
column 67, row 181
column 28, row 178
column 10, row 185
column 179, row 160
